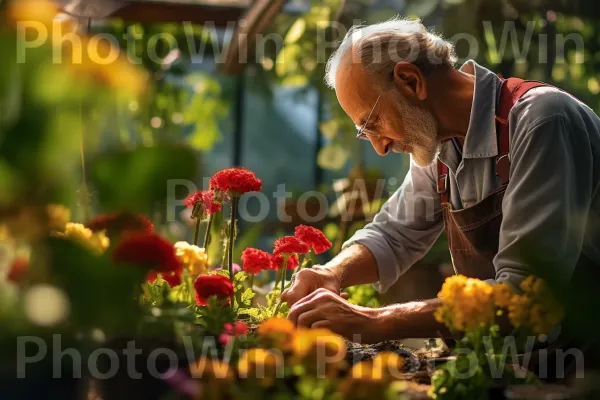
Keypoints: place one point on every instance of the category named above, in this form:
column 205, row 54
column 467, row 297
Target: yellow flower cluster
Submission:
column 319, row 350
column 315, row 350
column 87, row 58
column 277, row 333
column 97, row 243
column 215, row 375
column 307, row 359
column 42, row 11
column 58, row 217
column 262, row 366
column 193, row 258
column 467, row 303
column 536, row 309
column 371, row 379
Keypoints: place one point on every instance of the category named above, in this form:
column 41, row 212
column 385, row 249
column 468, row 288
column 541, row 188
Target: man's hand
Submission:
column 326, row 309
column 308, row 281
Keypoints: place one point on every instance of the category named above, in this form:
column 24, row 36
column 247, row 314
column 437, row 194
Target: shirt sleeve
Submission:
column 405, row 228
column 547, row 201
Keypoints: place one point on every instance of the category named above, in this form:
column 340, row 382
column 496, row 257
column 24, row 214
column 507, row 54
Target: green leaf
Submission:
column 295, row 80
column 330, row 128
column 420, row 8
column 247, row 296
column 332, row 157
column 296, row 31
column 241, row 276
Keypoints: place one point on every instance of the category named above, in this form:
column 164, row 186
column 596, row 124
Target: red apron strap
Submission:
column 512, row 89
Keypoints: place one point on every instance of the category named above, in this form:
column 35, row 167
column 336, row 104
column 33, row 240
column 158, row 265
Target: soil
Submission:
column 363, row 352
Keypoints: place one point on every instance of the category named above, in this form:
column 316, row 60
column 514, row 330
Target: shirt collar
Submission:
column 480, row 141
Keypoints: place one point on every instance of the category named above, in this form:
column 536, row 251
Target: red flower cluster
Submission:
column 238, row 329
column 235, row 181
column 313, row 237
column 212, row 285
column 120, row 223
column 149, row 250
column 292, row 262
column 18, row 268
column 172, row 278
column 256, row 260
column 290, row 245
column 210, row 205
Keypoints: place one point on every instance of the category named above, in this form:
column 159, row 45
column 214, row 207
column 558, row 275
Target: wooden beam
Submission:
column 255, row 21
column 150, row 12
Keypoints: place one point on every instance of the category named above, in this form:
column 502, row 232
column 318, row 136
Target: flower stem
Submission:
column 251, row 284
column 283, row 268
column 197, row 231
column 234, row 203
column 207, row 233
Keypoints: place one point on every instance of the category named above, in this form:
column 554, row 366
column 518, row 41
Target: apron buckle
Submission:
column 442, row 183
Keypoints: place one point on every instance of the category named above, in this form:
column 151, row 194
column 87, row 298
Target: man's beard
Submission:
column 420, row 133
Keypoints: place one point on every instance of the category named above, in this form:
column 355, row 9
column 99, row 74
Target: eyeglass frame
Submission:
column 359, row 134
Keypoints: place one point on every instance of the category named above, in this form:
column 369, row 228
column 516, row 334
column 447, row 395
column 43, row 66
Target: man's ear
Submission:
column 409, row 80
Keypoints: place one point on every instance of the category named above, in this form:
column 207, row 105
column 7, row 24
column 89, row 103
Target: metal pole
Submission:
column 238, row 119
column 318, row 172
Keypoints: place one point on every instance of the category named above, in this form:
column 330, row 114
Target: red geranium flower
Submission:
column 212, row 285
column 235, row 181
column 210, row 204
column 290, row 245
column 255, row 260
column 149, row 250
column 119, row 223
column 313, row 237
column 18, row 268
column 172, row 278
column 277, row 262
column 238, row 329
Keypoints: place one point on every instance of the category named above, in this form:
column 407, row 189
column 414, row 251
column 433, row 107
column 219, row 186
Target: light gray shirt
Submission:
column 551, row 204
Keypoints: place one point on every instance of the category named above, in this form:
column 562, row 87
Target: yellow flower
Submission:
column 389, row 364
column 4, row 234
column 320, row 350
column 97, row 242
column 208, row 369
column 58, row 216
column 371, row 379
column 261, row 365
column 102, row 62
column 467, row 303
column 42, row 11
column 502, row 294
column 536, row 309
column 277, row 332
column 192, row 257
column 216, row 377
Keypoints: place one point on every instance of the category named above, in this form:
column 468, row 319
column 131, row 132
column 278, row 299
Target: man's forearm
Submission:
column 355, row 265
column 410, row 320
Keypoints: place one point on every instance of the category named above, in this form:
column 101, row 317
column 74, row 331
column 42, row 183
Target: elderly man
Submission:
column 502, row 165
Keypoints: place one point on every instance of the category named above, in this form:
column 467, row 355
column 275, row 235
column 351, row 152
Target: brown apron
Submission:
column 474, row 232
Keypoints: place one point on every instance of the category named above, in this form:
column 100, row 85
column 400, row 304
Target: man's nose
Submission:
column 381, row 144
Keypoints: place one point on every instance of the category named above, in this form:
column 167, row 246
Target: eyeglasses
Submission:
column 360, row 130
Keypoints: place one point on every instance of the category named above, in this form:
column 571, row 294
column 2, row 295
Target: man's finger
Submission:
column 309, row 302
column 297, row 291
column 307, row 319
column 345, row 295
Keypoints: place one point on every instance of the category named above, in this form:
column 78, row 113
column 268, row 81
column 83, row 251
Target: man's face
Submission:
column 395, row 124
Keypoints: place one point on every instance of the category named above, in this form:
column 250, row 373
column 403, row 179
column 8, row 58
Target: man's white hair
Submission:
column 381, row 46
